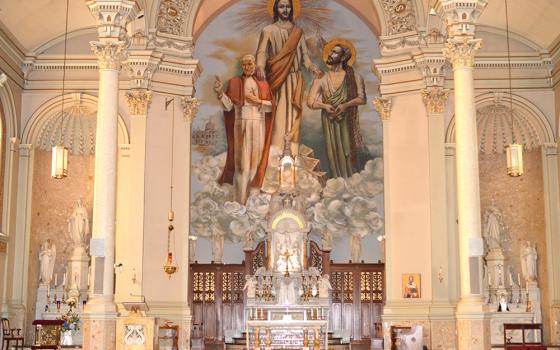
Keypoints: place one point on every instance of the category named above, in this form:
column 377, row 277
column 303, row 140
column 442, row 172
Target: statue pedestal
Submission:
column 135, row 332
column 78, row 267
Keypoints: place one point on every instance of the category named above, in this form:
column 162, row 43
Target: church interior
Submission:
column 279, row 174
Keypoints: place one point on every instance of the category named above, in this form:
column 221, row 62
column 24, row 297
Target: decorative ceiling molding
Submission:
column 43, row 126
column 530, row 125
column 172, row 16
column 74, row 128
column 399, row 16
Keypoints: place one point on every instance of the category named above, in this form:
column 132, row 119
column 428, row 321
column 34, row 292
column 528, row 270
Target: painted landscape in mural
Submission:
column 287, row 77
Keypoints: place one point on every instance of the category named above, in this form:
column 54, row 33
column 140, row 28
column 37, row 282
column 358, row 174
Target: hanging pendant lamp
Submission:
column 514, row 151
column 59, row 164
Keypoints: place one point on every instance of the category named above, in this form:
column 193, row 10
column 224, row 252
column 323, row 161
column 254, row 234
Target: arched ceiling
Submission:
column 536, row 20
column 31, row 24
column 362, row 8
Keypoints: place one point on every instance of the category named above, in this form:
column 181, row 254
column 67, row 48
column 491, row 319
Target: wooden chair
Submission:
column 524, row 329
column 10, row 336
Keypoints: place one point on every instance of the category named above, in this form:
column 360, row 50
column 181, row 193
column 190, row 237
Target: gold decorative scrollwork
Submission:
column 348, row 285
column 209, row 287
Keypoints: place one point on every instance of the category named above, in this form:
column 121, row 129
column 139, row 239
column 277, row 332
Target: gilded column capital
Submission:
column 109, row 54
column 138, row 101
column 460, row 51
column 434, row 99
column 190, row 108
column 112, row 16
column 383, row 107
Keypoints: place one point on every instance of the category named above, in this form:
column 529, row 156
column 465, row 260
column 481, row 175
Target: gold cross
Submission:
column 286, row 256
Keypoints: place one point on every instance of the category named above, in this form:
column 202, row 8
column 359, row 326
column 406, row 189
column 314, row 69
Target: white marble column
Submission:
column 100, row 313
column 190, row 108
column 472, row 324
column 460, row 52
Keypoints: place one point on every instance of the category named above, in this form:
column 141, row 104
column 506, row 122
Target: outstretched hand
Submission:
column 218, row 87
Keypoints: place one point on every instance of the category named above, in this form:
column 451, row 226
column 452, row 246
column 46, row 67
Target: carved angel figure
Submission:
column 47, row 257
column 250, row 286
column 324, row 286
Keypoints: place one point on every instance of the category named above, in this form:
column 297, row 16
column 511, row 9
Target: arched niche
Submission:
column 43, row 115
column 528, row 114
column 529, row 202
column 50, row 202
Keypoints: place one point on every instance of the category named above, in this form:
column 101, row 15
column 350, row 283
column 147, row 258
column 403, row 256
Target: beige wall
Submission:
column 407, row 195
column 521, row 200
column 52, row 204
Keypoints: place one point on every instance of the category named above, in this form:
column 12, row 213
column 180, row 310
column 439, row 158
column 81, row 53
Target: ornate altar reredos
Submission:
column 287, row 301
column 510, row 283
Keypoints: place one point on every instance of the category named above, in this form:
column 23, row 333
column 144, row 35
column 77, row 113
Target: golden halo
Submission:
column 343, row 42
column 296, row 8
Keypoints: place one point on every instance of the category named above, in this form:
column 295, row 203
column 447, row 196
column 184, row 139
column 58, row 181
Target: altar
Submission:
column 288, row 302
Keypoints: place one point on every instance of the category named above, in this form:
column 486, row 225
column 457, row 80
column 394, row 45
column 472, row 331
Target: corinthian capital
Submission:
column 190, row 108
column 434, row 99
column 383, row 107
column 460, row 51
column 138, row 101
column 109, row 54
column 112, row 16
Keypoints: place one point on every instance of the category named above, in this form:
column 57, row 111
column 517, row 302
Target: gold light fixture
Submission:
column 170, row 266
column 287, row 172
column 514, row 151
column 59, row 165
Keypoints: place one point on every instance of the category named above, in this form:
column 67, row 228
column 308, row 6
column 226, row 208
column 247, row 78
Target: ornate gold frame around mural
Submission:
column 295, row 4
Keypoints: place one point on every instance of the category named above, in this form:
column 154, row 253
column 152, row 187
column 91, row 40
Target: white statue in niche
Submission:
column 287, row 292
column 78, row 226
column 529, row 261
column 47, row 257
column 250, row 286
column 492, row 230
column 355, row 248
column 324, row 286
column 217, row 248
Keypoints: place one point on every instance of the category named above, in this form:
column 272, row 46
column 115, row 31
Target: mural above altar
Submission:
column 252, row 106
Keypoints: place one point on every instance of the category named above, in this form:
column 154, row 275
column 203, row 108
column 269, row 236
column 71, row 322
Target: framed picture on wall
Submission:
column 411, row 287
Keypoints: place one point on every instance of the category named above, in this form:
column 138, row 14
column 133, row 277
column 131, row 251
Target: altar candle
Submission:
column 64, row 280
column 55, row 280
column 519, row 279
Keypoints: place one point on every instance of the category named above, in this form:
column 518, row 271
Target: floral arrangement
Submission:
column 71, row 319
